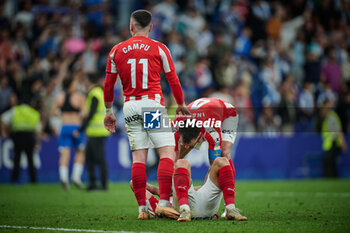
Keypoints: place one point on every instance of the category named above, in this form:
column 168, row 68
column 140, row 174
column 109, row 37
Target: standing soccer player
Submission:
column 139, row 61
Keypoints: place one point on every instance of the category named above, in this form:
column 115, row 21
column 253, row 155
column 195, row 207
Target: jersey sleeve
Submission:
column 169, row 70
column 111, row 76
column 214, row 140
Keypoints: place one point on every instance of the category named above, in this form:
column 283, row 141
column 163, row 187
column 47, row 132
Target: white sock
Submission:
column 231, row 206
column 77, row 171
column 143, row 208
column 63, row 171
column 184, row 207
column 164, row 203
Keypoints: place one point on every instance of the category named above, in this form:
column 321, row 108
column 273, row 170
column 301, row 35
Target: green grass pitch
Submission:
column 271, row 206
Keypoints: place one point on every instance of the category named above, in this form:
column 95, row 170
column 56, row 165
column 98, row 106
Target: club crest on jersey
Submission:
column 152, row 119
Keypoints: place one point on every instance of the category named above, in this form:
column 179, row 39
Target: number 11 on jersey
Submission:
column 144, row 62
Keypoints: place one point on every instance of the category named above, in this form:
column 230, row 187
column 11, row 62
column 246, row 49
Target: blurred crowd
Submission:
column 276, row 61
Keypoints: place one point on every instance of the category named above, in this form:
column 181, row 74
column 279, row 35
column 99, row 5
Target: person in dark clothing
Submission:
column 23, row 123
column 333, row 139
column 96, row 133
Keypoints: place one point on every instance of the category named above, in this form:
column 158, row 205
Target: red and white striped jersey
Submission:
column 212, row 109
column 139, row 61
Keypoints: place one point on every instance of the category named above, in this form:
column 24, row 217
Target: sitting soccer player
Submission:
column 212, row 120
column 200, row 202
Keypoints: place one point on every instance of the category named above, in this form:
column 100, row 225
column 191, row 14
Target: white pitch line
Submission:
column 64, row 229
column 298, row 194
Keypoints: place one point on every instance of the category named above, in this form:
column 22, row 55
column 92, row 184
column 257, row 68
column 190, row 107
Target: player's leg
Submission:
column 29, row 145
column 139, row 180
column 229, row 133
column 182, row 182
column 63, row 166
column 139, row 143
column 165, row 173
column 17, row 157
column 101, row 158
column 229, row 128
column 222, row 176
column 90, row 164
column 64, row 144
column 164, row 141
column 79, row 159
column 151, row 201
column 165, row 176
column 78, row 167
column 226, row 153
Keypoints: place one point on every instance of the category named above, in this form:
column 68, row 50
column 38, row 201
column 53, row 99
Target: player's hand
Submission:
column 183, row 109
column 110, row 122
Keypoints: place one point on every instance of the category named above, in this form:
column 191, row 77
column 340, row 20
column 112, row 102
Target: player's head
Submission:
column 189, row 133
column 140, row 21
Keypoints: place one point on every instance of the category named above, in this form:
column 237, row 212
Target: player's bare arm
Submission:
column 110, row 121
column 56, row 104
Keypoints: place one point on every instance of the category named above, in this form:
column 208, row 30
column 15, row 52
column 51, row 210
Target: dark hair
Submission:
column 67, row 82
column 189, row 131
column 142, row 17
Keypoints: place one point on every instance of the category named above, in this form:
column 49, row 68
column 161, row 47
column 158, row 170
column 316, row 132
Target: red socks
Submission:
column 164, row 176
column 233, row 170
column 182, row 184
column 139, row 179
column 153, row 202
column 227, row 184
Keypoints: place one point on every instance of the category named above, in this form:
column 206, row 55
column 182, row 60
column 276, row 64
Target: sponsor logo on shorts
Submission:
column 227, row 131
column 133, row 118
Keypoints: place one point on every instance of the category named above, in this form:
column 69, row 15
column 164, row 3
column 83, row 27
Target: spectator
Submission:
column 306, row 108
column 331, row 71
column 327, row 93
column 271, row 78
column 313, row 64
column 287, row 108
column 346, row 68
column 166, row 11
column 7, row 96
column 204, row 78
column 176, row 46
column 191, row 23
column 243, row 43
column 243, row 103
column 274, row 24
column 269, row 123
column 223, row 94
column 217, row 51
